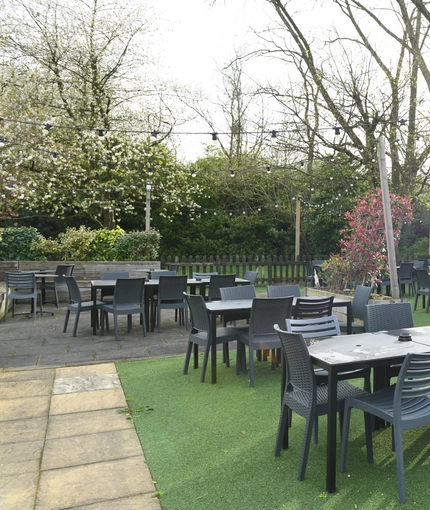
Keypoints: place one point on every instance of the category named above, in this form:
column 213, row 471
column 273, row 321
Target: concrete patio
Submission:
column 65, row 444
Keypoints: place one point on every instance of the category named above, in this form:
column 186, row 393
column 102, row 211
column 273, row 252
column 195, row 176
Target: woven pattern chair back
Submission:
column 389, row 316
column 22, row 281
column 314, row 328
column 423, row 278
column 405, row 270
column 251, row 276
column 174, row 267
column 204, row 275
column 172, row 287
column 74, row 292
column 217, row 282
column 128, row 291
column 199, row 312
column 311, row 308
column 360, row 300
column 115, row 275
column 283, row 290
column 299, row 369
column 266, row 312
column 240, row 292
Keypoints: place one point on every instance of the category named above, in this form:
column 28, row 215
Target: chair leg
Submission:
column 282, row 431
column 205, row 362
column 305, row 448
column 66, row 321
column 251, row 365
column 75, row 327
column 115, row 322
column 400, row 463
column 187, row 357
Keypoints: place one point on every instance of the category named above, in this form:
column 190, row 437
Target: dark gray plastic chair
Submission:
column 128, row 299
column 58, row 283
column 22, row 286
column 283, row 290
column 234, row 293
column 406, row 405
column 251, row 276
column 323, row 327
column 307, row 308
column 302, row 395
column 155, row 275
column 170, row 296
column 217, row 282
column 358, row 305
column 386, row 317
column 259, row 335
column 76, row 305
column 200, row 334
column 423, row 288
column 107, row 293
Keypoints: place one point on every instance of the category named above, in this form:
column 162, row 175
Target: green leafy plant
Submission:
column 20, row 243
column 137, row 245
column 103, row 243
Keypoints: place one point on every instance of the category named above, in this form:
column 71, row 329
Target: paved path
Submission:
column 64, row 443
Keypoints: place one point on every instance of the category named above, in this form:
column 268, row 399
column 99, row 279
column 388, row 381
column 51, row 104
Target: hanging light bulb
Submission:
column 193, row 173
column 154, row 133
column 232, row 174
column 273, row 133
column 214, row 136
column 268, row 170
column 101, row 133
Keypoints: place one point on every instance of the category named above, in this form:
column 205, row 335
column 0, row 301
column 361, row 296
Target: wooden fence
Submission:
column 271, row 270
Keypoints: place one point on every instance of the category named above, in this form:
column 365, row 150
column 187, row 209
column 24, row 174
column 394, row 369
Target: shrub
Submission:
column 103, row 243
column 74, row 244
column 138, row 245
column 20, row 243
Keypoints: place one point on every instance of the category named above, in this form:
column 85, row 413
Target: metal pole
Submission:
column 148, row 205
column 297, row 246
column 388, row 218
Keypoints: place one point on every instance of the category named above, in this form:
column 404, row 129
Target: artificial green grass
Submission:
column 211, row 446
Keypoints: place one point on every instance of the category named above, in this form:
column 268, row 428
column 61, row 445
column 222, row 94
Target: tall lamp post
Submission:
column 148, row 204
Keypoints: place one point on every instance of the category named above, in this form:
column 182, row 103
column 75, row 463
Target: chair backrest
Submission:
column 418, row 264
column 204, row 275
column 314, row 328
column 251, row 276
column 218, row 281
column 74, row 292
column 315, row 307
column 423, row 278
column 155, row 275
column 413, row 382
column 388, row 316
column 266, row 312
column 239, row 292
column 405, row 270
column 360, row 300
column 283, row 290
column 172, row 287
column 115, row 275
column 174, row 267
column 199, row 312
column 299, row 370
column 309, row 268
column 20, row 281
column 128, row 290
column 61, row 271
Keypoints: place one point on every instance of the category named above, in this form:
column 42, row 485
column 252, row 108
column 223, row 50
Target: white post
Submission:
column 148, row 204
column 389, row 234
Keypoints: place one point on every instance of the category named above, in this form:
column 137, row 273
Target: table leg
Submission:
column 94, row 311
column 213, row 346
column 349, row 319
column 331, row 431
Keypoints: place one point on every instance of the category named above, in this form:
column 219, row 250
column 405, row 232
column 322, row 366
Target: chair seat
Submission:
column 120, row 309
column 85, row 306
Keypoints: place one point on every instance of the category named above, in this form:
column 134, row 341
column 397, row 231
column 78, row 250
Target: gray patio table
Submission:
column 220, row 307
column 365, row 350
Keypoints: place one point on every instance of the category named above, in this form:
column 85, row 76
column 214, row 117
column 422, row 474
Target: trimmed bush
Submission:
column 20, row 243
column 138, row 245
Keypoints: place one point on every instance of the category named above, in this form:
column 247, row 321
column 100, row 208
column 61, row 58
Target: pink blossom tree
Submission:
column 363, row 253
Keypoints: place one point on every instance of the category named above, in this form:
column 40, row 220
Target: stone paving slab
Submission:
column 70, row 487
